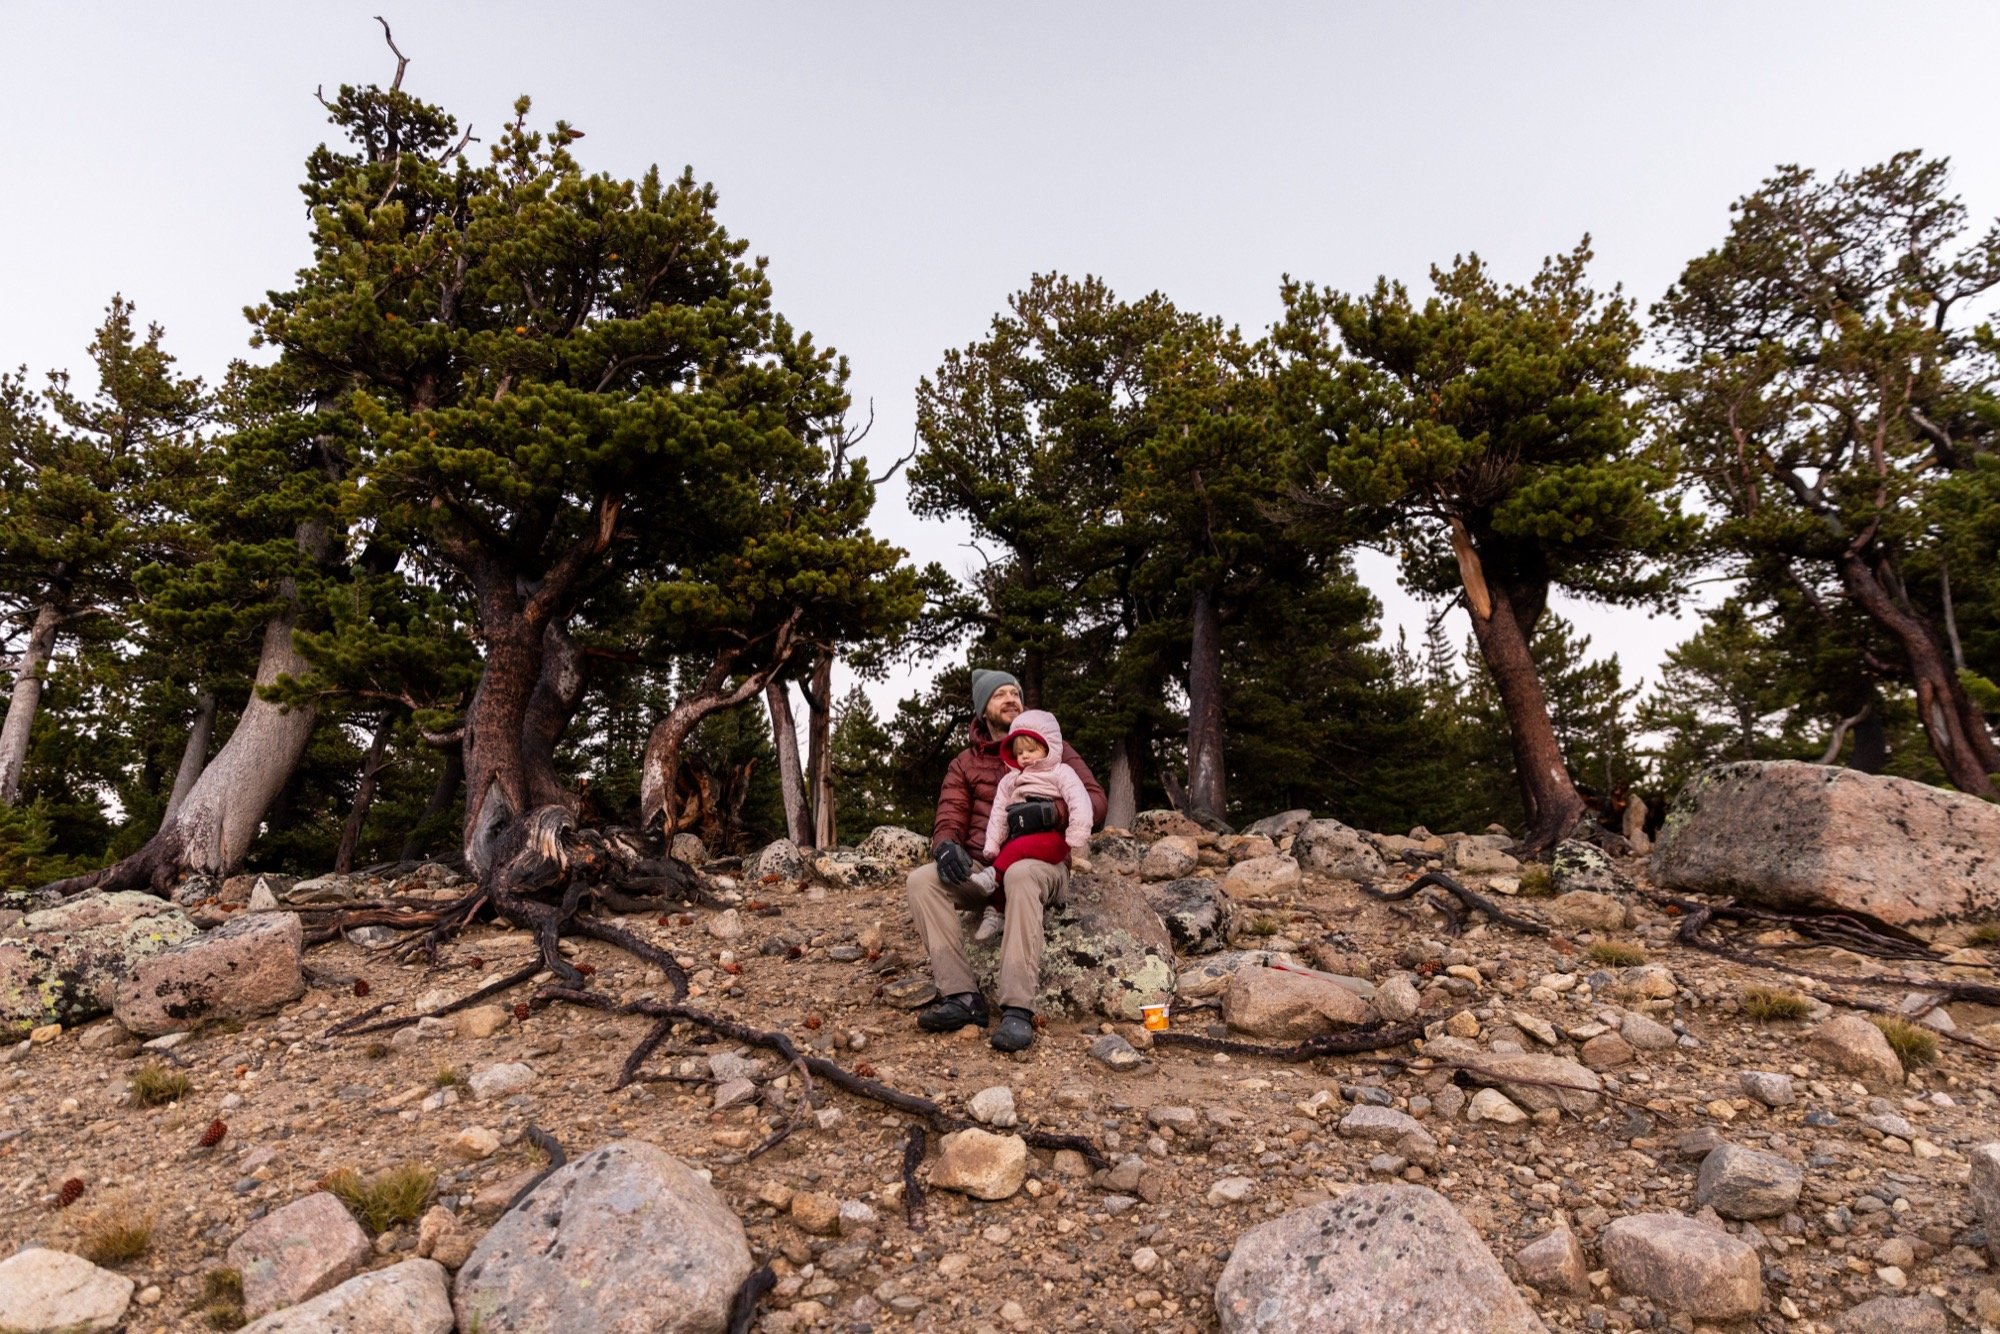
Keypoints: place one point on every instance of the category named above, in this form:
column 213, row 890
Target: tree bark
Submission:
column 1207, row 781
column 1551, row 799
column 819, row 728
column 496, row 773
column 194, row 755
column 1121, row 788
column 1957, row 731
column 26, row 699
column 449, row 778
column 364, row 795
column 559, row 688
column 791, row 776
column 659, row 772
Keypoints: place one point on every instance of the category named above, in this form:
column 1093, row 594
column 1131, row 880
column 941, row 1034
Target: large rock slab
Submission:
column 1330, row 848
column 1683, row 1265
column 1894, row 1315
column 61, row 965
column 1535, row 1080
column 626, row 1238
column 409, row 1298
column 1277, row 1003
column 1378, row 1260
column 46, row 1291
column 1808, row 836
column 297, row 1252
column 1986, row 1193
column 249, row 966
column 1105, row 951
column 904, row 849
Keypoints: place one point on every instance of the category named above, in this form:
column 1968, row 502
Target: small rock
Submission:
column 49, row 1291
column 1396, row 999
column 980, row 1164
column 1115, row 1052
column 734, row 1093
column 497, row 1081
column 1577, row 867
column 475, row 1142
column 815, row 1212
column 1231, row 1190
column 1262, row 878
column 481, row 1021
column 1986, row 1193
column 1583, row 910
column 909, row 993
column 249, row 966
column 441, row 1237
column 1330, row 848
column 1493, row 1105
column 297, row 1252
column 1554, row 1263
column 726, row 925
column 994, row 1107
column 1773, row 1090
column 1647, row 1034
column 1145, row 1259
column 1278, row 1003
column 1384, row 1125
column 1745, row 1183
column 1170, row 858
column 1852, row 1045
column 1607, row 1051
column 1683, row 1265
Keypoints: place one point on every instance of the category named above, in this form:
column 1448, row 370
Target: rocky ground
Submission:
column 1842, row 1179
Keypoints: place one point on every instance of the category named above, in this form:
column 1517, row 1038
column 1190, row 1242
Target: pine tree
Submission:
column 1491, row 436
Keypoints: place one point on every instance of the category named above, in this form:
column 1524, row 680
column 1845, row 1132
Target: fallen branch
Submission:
column 1470, row 898
column 913, row 1190
column 355, row 1027
column 667, row 1014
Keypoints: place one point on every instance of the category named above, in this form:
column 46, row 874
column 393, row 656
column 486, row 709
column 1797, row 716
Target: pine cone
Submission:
column 71, row 1192
column 213, row 1135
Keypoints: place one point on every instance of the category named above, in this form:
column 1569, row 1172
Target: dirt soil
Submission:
column 1068, row 1252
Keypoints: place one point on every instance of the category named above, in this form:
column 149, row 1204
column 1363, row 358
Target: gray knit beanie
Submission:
column 984, row 683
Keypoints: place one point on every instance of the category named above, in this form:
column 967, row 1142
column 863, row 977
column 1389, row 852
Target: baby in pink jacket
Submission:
column 1033, row 751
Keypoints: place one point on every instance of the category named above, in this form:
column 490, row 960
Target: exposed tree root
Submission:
column 548, row 1144
column 667, row 1014
column 743, row 1307
column 1472, row 899
column 1372, row 1038
column 358, row 1025
column 913, row 1189
column 1696, row 918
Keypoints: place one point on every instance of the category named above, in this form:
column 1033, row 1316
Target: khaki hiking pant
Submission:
column 1031, row 886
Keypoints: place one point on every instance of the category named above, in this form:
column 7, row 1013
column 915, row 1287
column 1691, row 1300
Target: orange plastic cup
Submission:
column 1155, row 1017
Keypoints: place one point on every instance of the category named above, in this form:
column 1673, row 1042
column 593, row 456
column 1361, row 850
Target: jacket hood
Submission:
column 1041, row 725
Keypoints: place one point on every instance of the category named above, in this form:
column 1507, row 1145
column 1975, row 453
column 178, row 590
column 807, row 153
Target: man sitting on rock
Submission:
column 939, row 890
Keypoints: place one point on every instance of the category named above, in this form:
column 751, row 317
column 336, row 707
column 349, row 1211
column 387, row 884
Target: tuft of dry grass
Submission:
column 376, row 1051
column 222, row 1299
column 1536, row 882
column 116, row 1232
column 1616, row 954
column 154, row 1085
column 1769, row 1003
column 1986, row 933
column 385, row 1199
column 1913, row 1044
column 446, row 1076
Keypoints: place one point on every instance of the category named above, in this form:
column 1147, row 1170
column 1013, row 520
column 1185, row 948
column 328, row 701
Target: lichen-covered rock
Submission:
column 849, row 868
column 1281, row 825
column 1577, row 865
column 1113, row 852
column 895, row 846
column 250, row 965
column 1811, row 837
column 1330, row 848
column 1170, row 858
column 62, row 964
column 1195, row 911
column 1208, row 978
column 1378, row 1260
column 625, row 1238
column 779, row 860
column 1106, row 951
column 1157, row 824
column 1262, row 878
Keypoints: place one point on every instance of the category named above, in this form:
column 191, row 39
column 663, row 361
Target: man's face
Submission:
column 1002, row 706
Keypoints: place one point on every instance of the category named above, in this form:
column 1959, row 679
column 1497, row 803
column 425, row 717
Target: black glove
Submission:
column 1030, row 817
column 954, row 863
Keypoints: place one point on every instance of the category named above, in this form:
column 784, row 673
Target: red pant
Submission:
column 1047, row 846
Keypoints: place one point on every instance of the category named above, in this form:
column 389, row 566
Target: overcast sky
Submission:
column 905, row 167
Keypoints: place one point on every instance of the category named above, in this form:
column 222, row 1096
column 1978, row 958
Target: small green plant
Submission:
column 117, row 1232
column 1264, row 924
column 385, row 1199
column 376, row 1051
column 1768, row 1003
column 1616, row 954
column 1913, row 1045
column 447, row 1076
column 1986, row 933
column 153, row 1085
column 1536, row 882
column 222, row 1299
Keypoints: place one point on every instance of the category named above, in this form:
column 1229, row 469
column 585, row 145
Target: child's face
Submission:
column 1027, row 750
